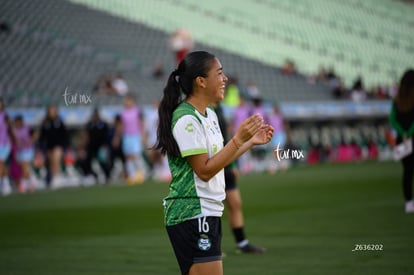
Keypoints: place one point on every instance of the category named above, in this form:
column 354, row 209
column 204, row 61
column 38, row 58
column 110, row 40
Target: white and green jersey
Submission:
column 190, row 197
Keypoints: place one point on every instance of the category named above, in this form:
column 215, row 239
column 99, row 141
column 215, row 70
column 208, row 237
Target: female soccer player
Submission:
column 402, row 120
column 189, row 133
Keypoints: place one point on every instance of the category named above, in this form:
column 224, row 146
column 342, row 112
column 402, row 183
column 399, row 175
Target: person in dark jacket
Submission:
column 97, row 137
column 53, row 139
column 402, row 120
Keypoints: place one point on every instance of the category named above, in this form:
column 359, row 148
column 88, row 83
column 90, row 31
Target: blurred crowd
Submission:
column 53, row 156
column 121, row 150
column 358, row 91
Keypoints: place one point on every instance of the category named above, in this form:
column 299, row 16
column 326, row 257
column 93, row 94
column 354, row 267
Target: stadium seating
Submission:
column 59, row 44
column 373, row 38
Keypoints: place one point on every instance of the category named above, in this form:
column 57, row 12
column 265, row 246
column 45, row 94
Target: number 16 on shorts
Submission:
column 203, row 226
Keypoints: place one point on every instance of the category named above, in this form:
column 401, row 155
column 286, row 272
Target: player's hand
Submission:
column 248, row 128
column 263, row 135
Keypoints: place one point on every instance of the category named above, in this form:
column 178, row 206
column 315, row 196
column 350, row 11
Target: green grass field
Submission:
column 308, row 218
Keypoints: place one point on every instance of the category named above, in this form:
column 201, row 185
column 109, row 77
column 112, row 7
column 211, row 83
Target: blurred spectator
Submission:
column 252, row 90
column 15, row 170
column 158, row 71
column 241, row 112
column 257, row 107
column 358, row 84
column 24, row 154
column 115, row 142
column 380, row 92
column 258, row 152
column 275, row 119
column 104, row 85
column 120, row 85
column 320, row 76
column 232, row 96
column 392, row 90
column 132, row 129
column 5, row 148
column 157, row 162
column 338, row 89
column 330, row 74
column 96, row 147
column 289, row 67
column 358, row 93
column 54, row 139
column 181, row 43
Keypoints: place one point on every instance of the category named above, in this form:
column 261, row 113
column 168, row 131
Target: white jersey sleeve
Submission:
column 190, row 136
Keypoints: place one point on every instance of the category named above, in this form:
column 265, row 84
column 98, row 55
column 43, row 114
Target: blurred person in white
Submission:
column 402, row 120
column 181, row 43
column 5, row 148
column 120, row 85
column 252, row 90
column 358, row 93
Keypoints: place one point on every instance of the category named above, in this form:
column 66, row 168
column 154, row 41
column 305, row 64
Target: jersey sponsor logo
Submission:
column 204, row 242
column 189, row 127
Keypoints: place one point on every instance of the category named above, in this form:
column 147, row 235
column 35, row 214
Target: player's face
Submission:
column 216, row 82
column 52, row 111
column 129, row 102
column 18, row 123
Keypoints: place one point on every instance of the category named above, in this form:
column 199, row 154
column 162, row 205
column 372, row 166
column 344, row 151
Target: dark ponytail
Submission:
column 179, row 82
column 172, row 97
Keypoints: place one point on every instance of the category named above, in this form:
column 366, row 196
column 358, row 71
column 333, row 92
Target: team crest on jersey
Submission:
column 204, row 242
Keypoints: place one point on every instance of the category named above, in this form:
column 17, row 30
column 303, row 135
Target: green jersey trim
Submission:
column 191, row 152
column 183, row 109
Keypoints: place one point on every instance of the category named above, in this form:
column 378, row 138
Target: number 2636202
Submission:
column 368, row 247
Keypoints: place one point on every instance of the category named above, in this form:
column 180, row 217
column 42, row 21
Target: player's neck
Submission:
column 199, row 103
